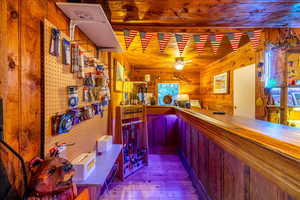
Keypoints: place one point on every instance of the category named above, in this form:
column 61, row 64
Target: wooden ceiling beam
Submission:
column 176, row 28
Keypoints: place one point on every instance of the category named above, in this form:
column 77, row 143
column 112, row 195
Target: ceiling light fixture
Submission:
column 179, row 63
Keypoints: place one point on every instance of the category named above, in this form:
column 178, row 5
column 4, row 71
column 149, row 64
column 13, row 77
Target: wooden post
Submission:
column 284, row 91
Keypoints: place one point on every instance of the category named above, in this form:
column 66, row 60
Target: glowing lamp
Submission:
column 179, row 66
column 179, row 63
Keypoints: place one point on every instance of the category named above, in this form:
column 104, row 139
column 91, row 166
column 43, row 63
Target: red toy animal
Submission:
column 52, row 179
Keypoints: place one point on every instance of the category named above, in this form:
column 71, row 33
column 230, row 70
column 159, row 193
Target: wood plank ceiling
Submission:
column 195, row 16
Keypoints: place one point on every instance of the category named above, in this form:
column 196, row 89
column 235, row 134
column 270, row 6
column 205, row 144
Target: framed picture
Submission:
column 119, row 76
column 221, row 83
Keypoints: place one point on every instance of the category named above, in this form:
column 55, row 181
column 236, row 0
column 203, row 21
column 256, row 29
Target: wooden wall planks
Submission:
column 189, row 86
column 215, row 171
column 162, row 134
column 222, row 175
column 9, row 90
column 235, row 179
column 21, row 73
column 224, row 102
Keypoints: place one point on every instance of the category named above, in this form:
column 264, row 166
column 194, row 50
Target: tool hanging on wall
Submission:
column 88, row 112
column 65, row 124
column 86, row 94
column 55, row 123
column 66, row 53
column 76, row 114
column 75, row 55
column 73, row 96
column 89, row 80
column 55, row 42
column 81, row 65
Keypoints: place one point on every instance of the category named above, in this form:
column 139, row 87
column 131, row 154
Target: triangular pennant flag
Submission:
column 254, row 37
column 200, row 41
column 163, row 39
column 182, row 40
column 215, row 41
column 129, row 36
column 234, row 39
column 145, row 39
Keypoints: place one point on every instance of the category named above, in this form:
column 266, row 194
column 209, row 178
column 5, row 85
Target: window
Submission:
column 167, row 89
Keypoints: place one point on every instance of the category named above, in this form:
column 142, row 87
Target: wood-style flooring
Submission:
column 164, row 179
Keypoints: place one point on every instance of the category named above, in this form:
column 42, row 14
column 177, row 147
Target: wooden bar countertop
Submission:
column 272, row 150
column 276, row 137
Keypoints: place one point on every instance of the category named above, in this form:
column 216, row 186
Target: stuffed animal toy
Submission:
column 52, row 179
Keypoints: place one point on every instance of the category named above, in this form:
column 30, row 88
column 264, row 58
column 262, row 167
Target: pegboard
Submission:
column 57, row 77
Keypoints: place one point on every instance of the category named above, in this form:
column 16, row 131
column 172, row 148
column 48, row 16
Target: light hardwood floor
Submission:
column 164, row 179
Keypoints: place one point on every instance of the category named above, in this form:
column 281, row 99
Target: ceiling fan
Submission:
column 180, row 62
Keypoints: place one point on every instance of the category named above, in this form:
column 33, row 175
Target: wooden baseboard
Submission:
column 193, row 176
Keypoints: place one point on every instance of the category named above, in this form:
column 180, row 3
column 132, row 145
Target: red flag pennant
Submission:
column 216, row 41
column 182, row 40
column 129, row 36
column 234, row 39
column 200, row 41
column 145, row 39
column 254, row 37
column 163, row 39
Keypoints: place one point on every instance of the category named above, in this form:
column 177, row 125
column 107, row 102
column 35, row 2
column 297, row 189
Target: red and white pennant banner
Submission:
column 182, row 40
column 215, row 41
column 234, row 39
column 163, row 39
column 254, row 37
column 145, row 39
column 200, row 41
column 129, row 36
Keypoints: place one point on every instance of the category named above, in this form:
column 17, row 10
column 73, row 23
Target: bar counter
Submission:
column 232, row 157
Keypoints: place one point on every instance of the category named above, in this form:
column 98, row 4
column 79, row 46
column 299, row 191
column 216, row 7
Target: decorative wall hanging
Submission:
column 119, row 76
column 73, row 96
column 254, row 37
column 163, row 39
column 129, row 36
column 200, row 41
column 75, row 56
column 234, row 39
column 215, row 41
column 66, row 54
column 182, row 40
column 221, row 83
column 145, row 39
column 55, row 42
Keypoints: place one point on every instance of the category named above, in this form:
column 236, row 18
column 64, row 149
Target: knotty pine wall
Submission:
column 21, row 76
column 224, row 102
column 190, row 85
column 245, row 55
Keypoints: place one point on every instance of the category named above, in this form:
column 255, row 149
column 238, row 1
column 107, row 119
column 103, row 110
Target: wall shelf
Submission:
column 91, row 19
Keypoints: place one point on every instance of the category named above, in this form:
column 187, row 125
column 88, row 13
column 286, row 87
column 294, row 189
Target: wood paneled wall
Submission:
column 116, row 96
column 162, row 133
column 224, row 102
column 217, row 174
column 21, row 73
column 189, row 85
